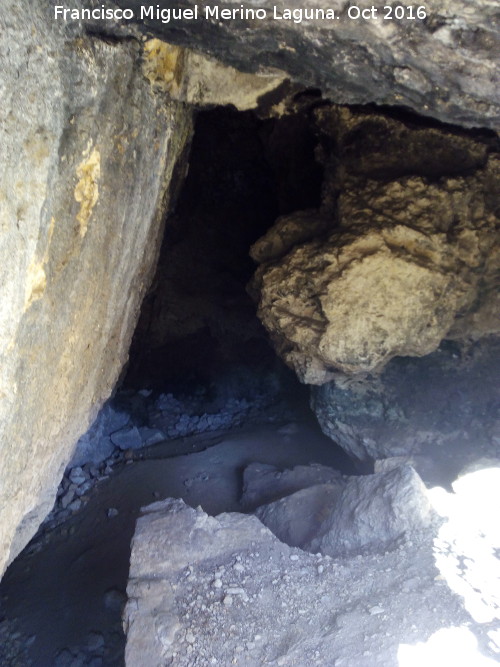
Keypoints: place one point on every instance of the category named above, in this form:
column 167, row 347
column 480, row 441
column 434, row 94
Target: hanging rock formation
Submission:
column 410, row 255
column 444, row 65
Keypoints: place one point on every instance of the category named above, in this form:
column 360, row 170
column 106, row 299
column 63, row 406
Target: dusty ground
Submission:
column 408, row 606
column 73, row 587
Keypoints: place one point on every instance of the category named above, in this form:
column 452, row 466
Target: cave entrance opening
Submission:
column 198, row 325
column 204, row 396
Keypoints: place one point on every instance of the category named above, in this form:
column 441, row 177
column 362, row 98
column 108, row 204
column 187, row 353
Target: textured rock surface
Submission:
column 444, row 66
column 413, row 256
column 373, row 512
column 224, row 590
column 197, row 79
column 443, row 407
column 87, row 152
column 357, row 514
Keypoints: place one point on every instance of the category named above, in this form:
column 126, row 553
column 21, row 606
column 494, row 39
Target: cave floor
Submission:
column 65, row 600
column 69, row 594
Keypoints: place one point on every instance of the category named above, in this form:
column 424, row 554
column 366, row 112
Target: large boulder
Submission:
column 358, row 514
column 224, row 590
column 88, row 151
column 410, row 256
column 441, row 408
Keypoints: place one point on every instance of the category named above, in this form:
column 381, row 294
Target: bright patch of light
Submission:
column 467, row 548
column 450, row 647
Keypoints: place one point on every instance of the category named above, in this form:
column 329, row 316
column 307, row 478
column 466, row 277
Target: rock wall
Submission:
column 88, row 151
column 442, row 410
column 443, row 66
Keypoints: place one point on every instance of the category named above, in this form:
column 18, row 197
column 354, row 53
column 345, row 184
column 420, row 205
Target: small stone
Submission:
column 217, row 583
column 75, row 505
column 112, row 512
column 294, row 557
column 376, row 610
column 190, row 638
column 67, row 499
column 95, row 641
column 228, row 601
column 77, row 475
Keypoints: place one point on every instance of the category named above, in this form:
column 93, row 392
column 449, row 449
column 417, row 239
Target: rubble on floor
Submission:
column 223, row 590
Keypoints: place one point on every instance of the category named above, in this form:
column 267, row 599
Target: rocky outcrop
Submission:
column 351, row 515
column 444, row 65
column 192, row 77
column 410, row 256
column 223, row 590
column 442, row 410
column 87, row 155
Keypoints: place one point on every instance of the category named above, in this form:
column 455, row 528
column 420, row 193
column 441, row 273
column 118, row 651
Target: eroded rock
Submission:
column 263, row 483
column 444, row 65
column 224, row 590
column 441, row 410
column 352, row 515
column 87, row 156
column 409, row 261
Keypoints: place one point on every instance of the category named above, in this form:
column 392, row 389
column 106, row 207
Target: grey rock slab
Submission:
column 372, row 512
column 295, row 615
column 298, row 518
column 353, row 515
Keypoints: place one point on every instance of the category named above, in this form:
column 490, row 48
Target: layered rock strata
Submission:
column 439, row 58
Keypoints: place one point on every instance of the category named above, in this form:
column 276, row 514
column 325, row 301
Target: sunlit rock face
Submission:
column 442, row 65
column 88, row 150
column 405, row 252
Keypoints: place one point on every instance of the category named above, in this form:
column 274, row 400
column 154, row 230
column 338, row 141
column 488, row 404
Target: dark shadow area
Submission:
column 203, row 383
column 198, row 323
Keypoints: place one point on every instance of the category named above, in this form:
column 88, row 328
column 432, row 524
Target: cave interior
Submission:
column 204, row 394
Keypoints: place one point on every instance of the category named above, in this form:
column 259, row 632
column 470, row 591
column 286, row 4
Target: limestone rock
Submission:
column 96, row 444
column 288, row 232
column 224, row 590
column 408, row 261
column 372, row 512
column 445, row 65
column 356, row 514
column 195, row 78
column 441, row 408
column 87, row 153
column 296, row 519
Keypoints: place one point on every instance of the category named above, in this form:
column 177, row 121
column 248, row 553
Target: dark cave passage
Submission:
column 204, row 396
column 198, row 322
